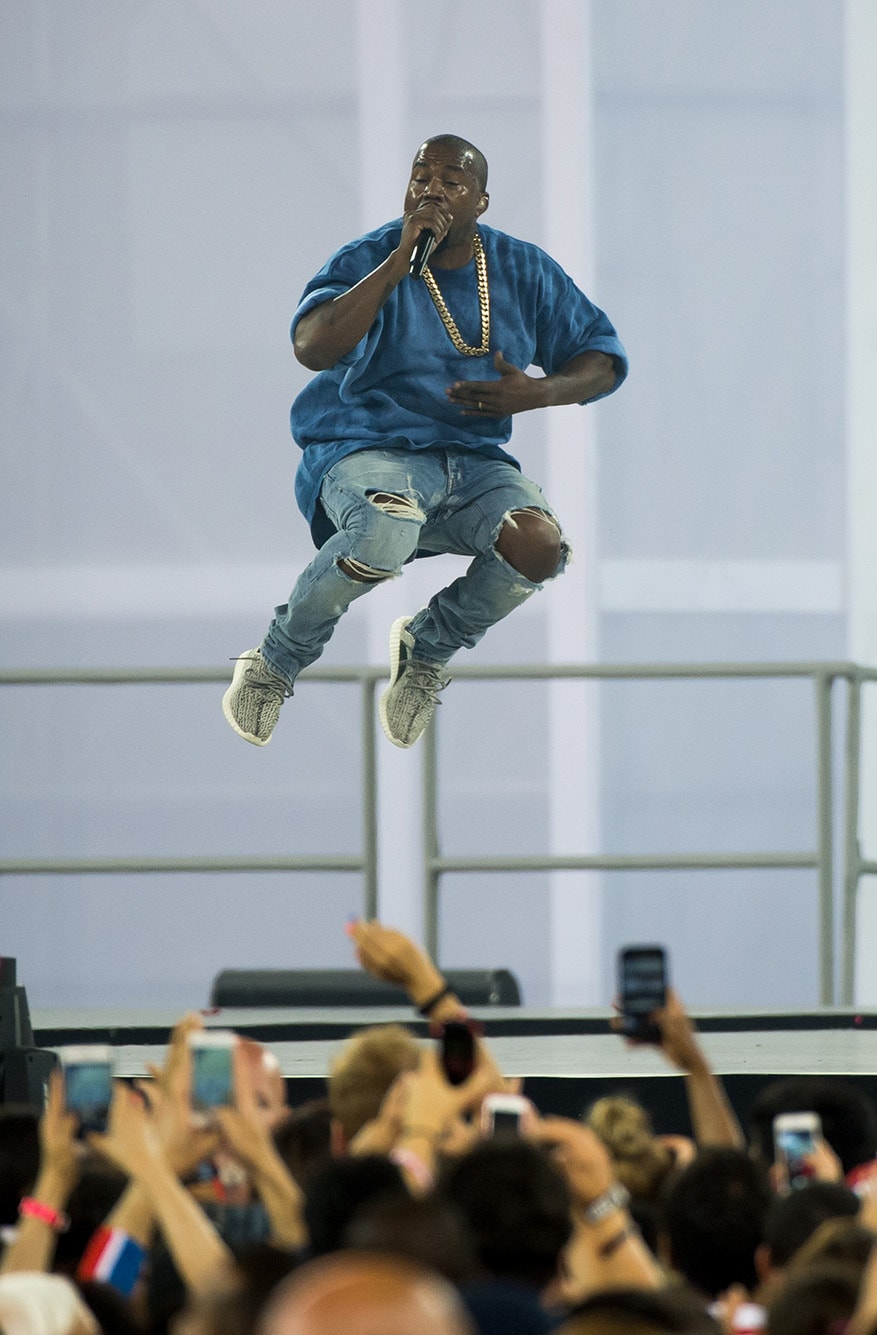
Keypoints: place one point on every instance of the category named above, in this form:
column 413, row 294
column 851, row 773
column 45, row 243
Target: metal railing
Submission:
column 821, row 858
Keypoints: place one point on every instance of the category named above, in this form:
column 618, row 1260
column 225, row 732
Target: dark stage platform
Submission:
column 567, row 1058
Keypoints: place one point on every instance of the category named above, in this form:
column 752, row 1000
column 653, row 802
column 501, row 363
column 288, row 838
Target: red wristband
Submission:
column 46, row 1214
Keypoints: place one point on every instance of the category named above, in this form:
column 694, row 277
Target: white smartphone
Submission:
column 212, row 1072
column 88, row 1084
column 505, row 1114
column 795, row 1137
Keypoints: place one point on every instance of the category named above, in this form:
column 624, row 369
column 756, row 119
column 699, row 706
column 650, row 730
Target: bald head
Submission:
column 468, row 155
column 364, row 1295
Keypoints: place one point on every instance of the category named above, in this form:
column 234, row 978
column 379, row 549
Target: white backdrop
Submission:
column 173, row 174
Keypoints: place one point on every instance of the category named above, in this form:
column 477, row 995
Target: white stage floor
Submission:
column 552, row 1043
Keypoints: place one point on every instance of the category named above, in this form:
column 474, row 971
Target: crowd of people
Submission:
column 390, row 1208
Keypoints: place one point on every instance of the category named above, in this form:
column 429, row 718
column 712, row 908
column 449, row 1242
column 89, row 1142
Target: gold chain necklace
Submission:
column 483, row 302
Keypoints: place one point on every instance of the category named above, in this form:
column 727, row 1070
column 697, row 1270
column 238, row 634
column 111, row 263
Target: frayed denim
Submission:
column 387, row 505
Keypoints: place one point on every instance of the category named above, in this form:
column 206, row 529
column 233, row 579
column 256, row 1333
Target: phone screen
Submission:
column 88, row 1091
column 211, row 1076
column 643, row 988
column 793, row 1147
column 457, row 1052
column 506, row 1123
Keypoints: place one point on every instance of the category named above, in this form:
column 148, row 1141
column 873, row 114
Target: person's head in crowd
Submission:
column 37, row 1304
column 114, row 1314
column 713, row 1220
column 19, row 1158
column 642, row 1162
column 304, row 1140
column 425, row 1229
column 339, row 1189
column 234, row 1302
column 817, row 1301
column 795, row 1217
column 674, row 1310
column 835, row 1242
column 361, row 1075
column 517, row 1205
column 848, row 1116
column 364, row 1294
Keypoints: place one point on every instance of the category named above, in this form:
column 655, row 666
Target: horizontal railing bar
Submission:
column 99, row 866
column 638, row 862
column 136, row 676
column 468, row 672
column 609, row 862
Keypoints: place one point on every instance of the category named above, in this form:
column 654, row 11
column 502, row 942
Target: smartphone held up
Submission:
column 642, row 989
column 457, row 1050
column 506, row 1114
column 796, row 1137
column 212, row 1072
column 88, row 1084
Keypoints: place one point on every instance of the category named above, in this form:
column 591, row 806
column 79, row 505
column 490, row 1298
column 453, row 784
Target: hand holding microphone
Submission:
column 435, row 222
column 423, row 248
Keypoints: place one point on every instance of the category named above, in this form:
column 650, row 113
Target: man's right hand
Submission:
column 431, row 216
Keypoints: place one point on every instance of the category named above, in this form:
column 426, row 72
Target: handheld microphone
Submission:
column 423, row 248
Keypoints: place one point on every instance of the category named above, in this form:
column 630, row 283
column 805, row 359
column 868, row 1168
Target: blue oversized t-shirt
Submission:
column 389, row 391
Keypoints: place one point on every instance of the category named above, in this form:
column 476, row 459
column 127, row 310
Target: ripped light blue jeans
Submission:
column 452, row 500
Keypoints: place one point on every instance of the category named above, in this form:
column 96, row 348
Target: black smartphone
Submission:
column 642, row 988
column 457, row 1048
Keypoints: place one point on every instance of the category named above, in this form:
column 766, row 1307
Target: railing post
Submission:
column 430, row 842
column 825, row 819
column 852, row 854
column 369, row 800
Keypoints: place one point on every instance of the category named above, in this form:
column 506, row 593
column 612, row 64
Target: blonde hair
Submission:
column 641, row 1160
column 364, row 1070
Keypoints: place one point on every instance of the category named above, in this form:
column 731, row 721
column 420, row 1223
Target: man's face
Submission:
column 441, row 174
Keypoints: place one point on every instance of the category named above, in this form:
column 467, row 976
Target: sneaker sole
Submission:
column 240, row 668
column 395, row 653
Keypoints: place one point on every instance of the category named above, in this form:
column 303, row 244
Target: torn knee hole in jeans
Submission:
column 398, row 507
column 509, row 516
column 363, row 574
column 510, row 520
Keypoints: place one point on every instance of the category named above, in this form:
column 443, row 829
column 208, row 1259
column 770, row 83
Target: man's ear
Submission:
column 483, row 203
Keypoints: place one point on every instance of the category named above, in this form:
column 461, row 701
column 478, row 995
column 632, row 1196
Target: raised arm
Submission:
column 329, row 331
column 713, row 1120
column 42, row 1213
column 390, row 955
column 606, row 1250
column 248, row 1134
column 132, row 1142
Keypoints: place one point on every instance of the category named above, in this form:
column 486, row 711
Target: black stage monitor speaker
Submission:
column 24, row 1069
column 15, row 1030
column 351, row 987
column 24, row 1075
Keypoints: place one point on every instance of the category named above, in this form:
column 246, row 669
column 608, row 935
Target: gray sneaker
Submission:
column 252, row 702
column 409, row 701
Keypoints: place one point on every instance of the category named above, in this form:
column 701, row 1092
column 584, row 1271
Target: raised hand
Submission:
column 392, row 956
